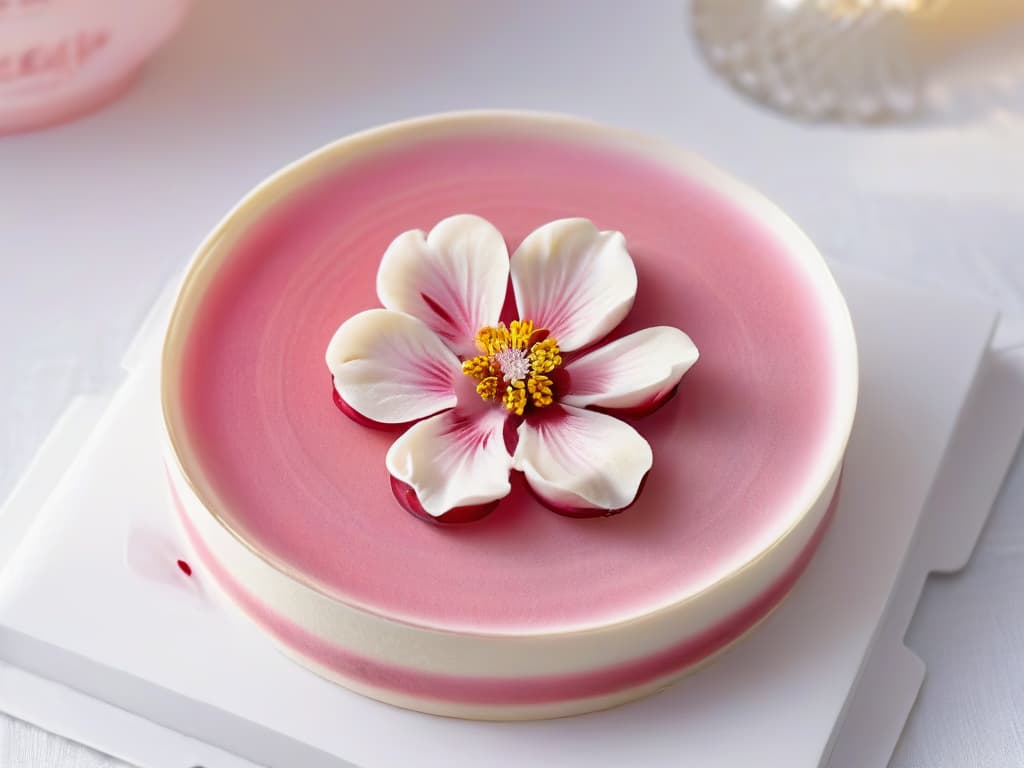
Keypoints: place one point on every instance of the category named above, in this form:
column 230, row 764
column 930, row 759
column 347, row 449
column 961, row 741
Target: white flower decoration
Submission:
column 439, row 355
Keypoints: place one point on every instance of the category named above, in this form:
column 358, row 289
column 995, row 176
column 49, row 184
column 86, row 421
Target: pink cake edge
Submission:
column 392, row 683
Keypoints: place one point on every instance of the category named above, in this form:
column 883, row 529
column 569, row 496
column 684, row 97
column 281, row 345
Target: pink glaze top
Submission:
column 308, row 487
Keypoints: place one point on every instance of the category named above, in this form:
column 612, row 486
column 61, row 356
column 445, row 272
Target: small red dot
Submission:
column 185, row 567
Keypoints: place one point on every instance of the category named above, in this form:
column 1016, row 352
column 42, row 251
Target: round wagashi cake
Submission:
column 504, row 415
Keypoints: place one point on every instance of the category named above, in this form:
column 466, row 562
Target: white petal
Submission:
column 578, row 459
column 635, row 371
column 454, row 459
column 575, row 281
column 391, row 368
column 454, row 279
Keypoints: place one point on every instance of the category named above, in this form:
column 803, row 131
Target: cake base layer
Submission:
column 501, row 698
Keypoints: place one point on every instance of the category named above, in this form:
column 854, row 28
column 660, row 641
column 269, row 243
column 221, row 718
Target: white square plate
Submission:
column 91, row 598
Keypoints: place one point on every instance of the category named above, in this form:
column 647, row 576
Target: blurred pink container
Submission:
column 62, row 58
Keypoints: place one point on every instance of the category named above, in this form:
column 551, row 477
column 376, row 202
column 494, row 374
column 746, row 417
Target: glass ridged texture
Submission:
column 848, row 60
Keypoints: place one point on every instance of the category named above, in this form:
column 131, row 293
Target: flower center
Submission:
column 514, row 363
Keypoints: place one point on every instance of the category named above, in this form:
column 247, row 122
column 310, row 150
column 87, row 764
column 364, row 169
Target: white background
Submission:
column 96, row 216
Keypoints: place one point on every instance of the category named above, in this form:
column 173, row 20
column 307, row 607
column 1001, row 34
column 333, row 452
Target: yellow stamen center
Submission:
column 514, row 365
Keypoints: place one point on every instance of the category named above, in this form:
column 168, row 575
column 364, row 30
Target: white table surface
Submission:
column 96, row 216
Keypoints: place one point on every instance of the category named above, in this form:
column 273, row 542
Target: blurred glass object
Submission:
column 850, row 60
column 62, row 58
